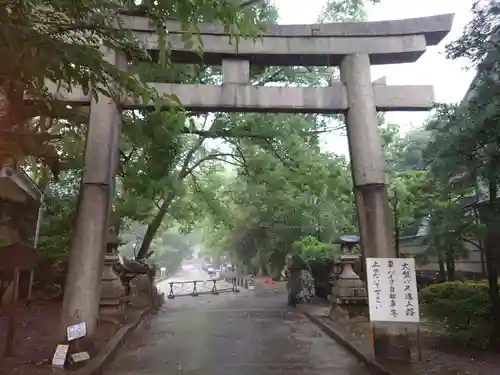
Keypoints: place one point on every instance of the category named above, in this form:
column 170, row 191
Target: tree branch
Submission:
column 189, row 156
column 244, row 163
column 472, row 243
column 197, row 188
column 204, row 159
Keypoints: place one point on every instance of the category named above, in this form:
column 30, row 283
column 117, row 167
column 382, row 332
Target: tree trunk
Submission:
column 154, row 226
column 450, row 269
column 484, row 274
column 491, row 244
column 442, row 270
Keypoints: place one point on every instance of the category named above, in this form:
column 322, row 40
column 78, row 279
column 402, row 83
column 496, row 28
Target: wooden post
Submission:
column 11, row 321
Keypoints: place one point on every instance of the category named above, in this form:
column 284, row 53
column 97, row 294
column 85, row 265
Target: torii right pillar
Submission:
column 372, row 200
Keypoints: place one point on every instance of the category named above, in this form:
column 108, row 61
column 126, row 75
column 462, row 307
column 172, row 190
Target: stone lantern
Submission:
column 112, row 289
column 349, row 289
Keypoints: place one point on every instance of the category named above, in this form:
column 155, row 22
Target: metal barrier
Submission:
column 247, row 282
column 195, row 288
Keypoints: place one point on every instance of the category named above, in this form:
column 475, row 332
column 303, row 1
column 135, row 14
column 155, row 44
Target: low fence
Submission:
column 195, row 288
column 247, row 282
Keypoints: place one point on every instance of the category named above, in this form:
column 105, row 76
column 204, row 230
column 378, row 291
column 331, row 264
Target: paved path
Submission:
column 246, row 333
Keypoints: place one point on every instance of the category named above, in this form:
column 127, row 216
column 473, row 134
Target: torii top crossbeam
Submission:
column 387, row 42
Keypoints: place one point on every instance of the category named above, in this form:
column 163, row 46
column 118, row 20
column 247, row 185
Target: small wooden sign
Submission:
column 59, row 358
column 79, row 357
column 77, row 331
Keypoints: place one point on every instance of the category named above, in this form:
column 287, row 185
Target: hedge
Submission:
column 462, row 308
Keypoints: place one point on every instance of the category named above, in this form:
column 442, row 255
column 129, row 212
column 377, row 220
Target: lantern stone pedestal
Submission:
column 112, row 290
column 349, row 289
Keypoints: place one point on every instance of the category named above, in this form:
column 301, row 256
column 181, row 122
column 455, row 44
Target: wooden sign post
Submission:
column 392, row 294
column 11, row 323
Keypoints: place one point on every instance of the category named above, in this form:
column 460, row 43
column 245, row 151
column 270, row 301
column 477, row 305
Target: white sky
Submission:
column 449, row 78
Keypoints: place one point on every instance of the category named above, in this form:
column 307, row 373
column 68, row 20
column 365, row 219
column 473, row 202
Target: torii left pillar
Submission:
column 83, row 283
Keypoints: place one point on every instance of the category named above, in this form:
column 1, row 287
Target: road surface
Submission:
column 246, row 333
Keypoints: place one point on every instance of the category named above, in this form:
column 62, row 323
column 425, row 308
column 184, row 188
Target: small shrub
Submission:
column 462, row 308
column 309, row 247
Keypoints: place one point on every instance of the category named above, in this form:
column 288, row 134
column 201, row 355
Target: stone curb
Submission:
column 95, row 365
column 373, row 366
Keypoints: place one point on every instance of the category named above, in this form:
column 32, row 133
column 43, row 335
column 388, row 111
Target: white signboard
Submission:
column 59, row 358
column 79, row 357
column 77, row 331
column 392, row 290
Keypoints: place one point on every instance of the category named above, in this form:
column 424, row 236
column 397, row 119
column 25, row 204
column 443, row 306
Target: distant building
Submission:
column 414, row 243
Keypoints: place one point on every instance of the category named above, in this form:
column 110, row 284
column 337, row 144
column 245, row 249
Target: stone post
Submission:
column 236, row 71
column 372, row 199
column 83, row 283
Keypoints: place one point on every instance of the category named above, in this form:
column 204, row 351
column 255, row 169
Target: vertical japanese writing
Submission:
column 392, row 290
column 407, row 282
column 391, row 274
column 375, row 268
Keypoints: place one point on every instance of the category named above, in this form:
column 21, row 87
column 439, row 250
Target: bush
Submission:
column 309, row 247
column 462, row 308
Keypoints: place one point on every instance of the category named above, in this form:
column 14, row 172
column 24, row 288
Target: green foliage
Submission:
column 284, row 187
column 62, row 41
column 462, row 308
column 56, row 227
column 411, row 197
column 479, row 39
column 161, row 150
column 67, row 43
column 463, row 158
column 271, row 201
column 309, row 247
column 344, row 10
column 404, row 153
column 169, row 248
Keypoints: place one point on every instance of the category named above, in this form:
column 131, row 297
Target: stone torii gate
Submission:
column 351, row 46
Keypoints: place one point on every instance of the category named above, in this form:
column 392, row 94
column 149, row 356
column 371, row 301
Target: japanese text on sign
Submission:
column 392, row 289
column 76, row 331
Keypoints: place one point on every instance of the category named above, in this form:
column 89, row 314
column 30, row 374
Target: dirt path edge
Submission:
column 373, row 366
column 107, row 353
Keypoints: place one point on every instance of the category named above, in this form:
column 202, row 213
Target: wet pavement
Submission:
column 246, row 333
